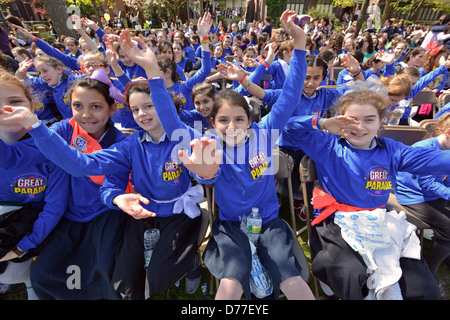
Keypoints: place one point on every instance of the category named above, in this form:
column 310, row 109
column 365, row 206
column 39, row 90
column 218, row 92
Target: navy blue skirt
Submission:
column 80, row 249
column 228, row 254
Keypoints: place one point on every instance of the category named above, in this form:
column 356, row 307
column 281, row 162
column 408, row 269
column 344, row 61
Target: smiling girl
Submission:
column 240, row 185
column 33, row 197
column 355, row 161
column 54, row 79
column 79, row 237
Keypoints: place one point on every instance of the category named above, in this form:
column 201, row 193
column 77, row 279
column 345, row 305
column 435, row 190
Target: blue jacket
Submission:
column 357, row 177
column 41, row 184
column 418, row 188
column 245, row 179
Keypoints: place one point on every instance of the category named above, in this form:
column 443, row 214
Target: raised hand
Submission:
column 204, row 24
column 17, row 115
column 350, row 63
column 386, row 57
column 130, row 203
column 23, row 30
column 231, row 71
column 205, row 158
column 287, row 20
column 339, row 125
column 144, row 57
column 110, row 52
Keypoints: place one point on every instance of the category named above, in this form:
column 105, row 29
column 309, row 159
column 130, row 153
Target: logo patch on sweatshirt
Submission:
column 378, row 180
column 30, row 184
column 258, row 164
column 80, row 142
column 171, row 171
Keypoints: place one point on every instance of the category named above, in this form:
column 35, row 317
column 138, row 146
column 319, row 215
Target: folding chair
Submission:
column 426, row 96
column 308, row 179
column 443, row 100
column 282, row 162
column 428, row 124
column 405, row 134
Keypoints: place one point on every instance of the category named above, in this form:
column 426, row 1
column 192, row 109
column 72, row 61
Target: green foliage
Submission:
column 344, row 3
column 319, row 13
column 274, row 10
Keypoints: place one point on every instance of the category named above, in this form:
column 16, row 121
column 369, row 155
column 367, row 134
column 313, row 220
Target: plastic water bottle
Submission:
column 254, row 223
column 151, row 237
column 260, row 281
column 398, row 112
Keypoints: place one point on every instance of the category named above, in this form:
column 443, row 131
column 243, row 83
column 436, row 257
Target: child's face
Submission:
column 71, row 46
column 232, row 122
column 91, row 111
column 125, row 60
column 203, row 104
column 369, row 122
column 399, row 49
column 92, row 63
column 144, row 113
column 226, row 42
column 177, row 51
column 415, row 60
column 49, row 74
column 237, row 52
column 166, row 52
column 249, row 55
column 314, row 76
column 19, row 57
column 218, row 52
column 12, row 95
column 214, row 38
column 393, row 100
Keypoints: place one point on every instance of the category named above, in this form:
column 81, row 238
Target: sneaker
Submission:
column 194, row 276
column 300, row 210
column 4, row 288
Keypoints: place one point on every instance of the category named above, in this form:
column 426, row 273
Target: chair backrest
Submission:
column 428, row 124
column 425, row 96
column 283, row 163
column 443, row 100
column 307, row 170
column 405, row 134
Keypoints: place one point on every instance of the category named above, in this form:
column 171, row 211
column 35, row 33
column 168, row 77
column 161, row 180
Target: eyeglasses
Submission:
column 93, row 65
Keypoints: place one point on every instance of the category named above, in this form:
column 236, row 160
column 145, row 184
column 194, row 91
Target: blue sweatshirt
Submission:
column 183, row 90
column 245, row 179
column 419, row 86
column 357, row 177
column 69, row 61
column 414, row 188
column 155, row 172
column 60, row 92
column 85, row 201
column 43, row 185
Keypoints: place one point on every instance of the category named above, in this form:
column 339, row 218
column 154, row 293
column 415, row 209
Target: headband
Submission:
column 100, row 75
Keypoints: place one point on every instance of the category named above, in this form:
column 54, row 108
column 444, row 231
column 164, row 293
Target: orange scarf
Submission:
column 84, row 143
column 322, row 200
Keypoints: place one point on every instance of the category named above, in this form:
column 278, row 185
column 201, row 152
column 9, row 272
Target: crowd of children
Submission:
column 116, row 134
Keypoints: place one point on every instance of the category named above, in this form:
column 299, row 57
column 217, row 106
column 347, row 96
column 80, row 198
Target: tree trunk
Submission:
column 362, row 15
column 58, row 13
column 387, row 5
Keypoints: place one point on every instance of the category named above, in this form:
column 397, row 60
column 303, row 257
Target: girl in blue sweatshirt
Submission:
column 427, row 196
column 357, row 171
column 242, row 183
column 54, row 79
column 89, row 233
column 32, row 197
column 165, row 194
